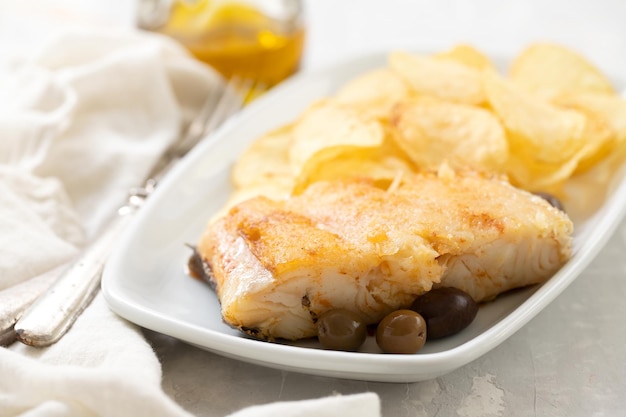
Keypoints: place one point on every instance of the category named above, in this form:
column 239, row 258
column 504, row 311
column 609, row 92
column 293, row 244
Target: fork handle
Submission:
column 52, row 314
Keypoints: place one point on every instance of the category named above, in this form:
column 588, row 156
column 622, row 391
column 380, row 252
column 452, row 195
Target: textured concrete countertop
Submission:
column 570, row 360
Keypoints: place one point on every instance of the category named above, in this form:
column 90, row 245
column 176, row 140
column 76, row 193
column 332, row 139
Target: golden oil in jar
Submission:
column 241, row 37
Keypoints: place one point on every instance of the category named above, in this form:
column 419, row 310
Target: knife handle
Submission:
column 16, row 299
column 54, row 312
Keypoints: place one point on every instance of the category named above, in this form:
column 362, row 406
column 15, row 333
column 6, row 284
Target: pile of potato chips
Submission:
column 551, row 117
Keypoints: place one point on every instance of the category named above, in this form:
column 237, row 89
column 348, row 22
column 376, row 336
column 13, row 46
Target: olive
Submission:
column 403, row 331
column 554, row 202
column 447, row 311
column 341, row 329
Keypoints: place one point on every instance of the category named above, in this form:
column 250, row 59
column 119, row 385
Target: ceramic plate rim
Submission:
column 366, row 366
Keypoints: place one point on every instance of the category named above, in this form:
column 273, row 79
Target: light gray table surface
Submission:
column 570, row 360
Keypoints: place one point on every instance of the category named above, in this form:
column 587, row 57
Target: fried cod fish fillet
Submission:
column 278, row 265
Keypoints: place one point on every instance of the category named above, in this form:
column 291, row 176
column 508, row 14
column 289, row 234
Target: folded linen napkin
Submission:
column 106, row 104
column 103, row 106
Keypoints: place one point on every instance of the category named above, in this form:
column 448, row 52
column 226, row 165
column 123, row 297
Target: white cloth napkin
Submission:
column 103, row 106
column 106, row 104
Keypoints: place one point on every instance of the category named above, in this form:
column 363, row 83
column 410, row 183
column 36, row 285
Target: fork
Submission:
column 53, row 313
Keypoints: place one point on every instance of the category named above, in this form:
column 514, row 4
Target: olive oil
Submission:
column 238, row 39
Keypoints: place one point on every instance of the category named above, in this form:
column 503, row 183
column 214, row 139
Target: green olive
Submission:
column 554, row 202
column 341, row 329
column 446, row 310
column 403, row 331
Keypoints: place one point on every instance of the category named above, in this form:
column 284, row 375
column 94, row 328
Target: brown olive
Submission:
column 554, row 202
column 341, row 329
column 403, row 331
column 446, row 310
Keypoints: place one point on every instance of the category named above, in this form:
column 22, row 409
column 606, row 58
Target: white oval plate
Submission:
column 145, row 280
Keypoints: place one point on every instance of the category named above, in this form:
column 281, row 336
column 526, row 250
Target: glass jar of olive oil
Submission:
column 258, row 39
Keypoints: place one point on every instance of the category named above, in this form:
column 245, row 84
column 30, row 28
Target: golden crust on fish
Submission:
column 278, row 265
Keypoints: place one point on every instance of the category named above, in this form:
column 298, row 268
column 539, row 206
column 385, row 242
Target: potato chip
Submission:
column 382, row 164
column 467, row 55
column 374, row 93
column 431, row 131
column 265, row 160
column 554, row 125
column 536, row 130
column 610, row 108
column 549, row 70
column 535, row 175
column 440, row 78
column 333, row 128
column 590, row 189
column 607, row 122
